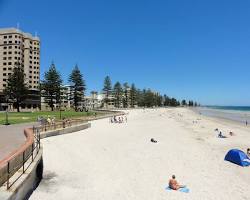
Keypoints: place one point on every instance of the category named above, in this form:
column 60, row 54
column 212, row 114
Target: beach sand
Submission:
column 118, row 161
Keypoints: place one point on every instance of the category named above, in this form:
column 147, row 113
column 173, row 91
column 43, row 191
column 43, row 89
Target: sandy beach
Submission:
column 118, row 161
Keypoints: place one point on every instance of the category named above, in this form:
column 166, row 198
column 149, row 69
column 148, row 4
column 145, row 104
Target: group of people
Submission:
column 220, row 134
column 118, row 119
column 46, row 121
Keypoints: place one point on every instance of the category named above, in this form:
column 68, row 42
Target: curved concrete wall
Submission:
column 15, row 159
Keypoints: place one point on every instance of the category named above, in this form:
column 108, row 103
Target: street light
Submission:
column 6, row 111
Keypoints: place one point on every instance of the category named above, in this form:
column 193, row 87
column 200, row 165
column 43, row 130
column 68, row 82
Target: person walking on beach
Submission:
column 174, row 185
column 246, row 122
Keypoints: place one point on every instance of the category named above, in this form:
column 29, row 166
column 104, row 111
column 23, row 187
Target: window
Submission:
column 4, row 74
column 30, row 67
column 15, row 47
column 4, row 47
column 5, row 42
column 4, row 53
column 4, row 79
column 4, row 69
column 4, row 63
column 30, row 52
column 5, row 36
column 10, row 36
column 10, row 52
column 30, row 62
column 9, row 58
column 30, row 42
column 15, row 36
column 4, row 85
column 10, row 42
column 4, row 58
column 16, row 41
column 9, row 63
column 10, row 47
column 30, row 76
column 30, row 81
column 15, row 52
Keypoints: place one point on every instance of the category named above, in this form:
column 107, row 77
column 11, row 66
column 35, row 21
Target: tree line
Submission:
column 50, row 89
column 122, row 95
column 125, row 96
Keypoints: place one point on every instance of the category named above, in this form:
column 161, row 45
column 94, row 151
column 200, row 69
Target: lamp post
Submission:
column 6, row 111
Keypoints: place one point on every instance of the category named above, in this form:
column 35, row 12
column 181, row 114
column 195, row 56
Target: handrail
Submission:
column 18, row 159
column 29, row 150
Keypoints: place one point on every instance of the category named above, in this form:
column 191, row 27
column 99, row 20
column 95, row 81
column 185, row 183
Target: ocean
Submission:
column 240, row 114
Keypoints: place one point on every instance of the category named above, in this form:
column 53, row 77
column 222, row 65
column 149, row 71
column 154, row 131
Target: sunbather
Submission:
column 174, row 185
column 153, row 140
column 220, row 135
column 248, row 152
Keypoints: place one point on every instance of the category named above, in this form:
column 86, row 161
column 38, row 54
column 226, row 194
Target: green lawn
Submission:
column 24, row 117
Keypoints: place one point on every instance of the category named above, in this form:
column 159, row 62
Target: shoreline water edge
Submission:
column 239, row 116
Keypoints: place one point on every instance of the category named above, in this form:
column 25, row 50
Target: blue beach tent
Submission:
column 238, row 157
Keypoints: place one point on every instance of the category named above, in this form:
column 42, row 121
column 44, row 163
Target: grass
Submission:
column 25, row 117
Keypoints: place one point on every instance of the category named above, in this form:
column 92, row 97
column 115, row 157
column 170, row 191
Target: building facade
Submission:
column 23, row 49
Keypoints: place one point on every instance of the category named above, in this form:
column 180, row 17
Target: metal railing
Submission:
column 27, row 158
column 22, row 160
column 60, row 125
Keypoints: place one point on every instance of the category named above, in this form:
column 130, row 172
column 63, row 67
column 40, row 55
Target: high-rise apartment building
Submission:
column 19, row 48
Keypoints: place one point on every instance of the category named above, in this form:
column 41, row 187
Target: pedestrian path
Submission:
column 12, row 137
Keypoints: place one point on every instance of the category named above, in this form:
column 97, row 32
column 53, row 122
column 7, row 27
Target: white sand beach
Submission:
column 118, row 161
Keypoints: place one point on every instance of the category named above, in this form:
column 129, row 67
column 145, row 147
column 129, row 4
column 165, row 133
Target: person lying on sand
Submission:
column 220, row 135
column 174, row 185
column 153, row 140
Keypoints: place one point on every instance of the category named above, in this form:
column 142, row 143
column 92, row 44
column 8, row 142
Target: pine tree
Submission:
column 16, row 88
column 78, row 86
column 118, row 94
column 107, row 89
column 125, row 98
column 183, row 102
column 51, row 86
column 133, row 95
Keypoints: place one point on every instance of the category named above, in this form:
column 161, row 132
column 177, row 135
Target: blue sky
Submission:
column 188, row 49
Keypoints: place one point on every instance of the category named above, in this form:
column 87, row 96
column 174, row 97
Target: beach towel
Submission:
column 185, row 189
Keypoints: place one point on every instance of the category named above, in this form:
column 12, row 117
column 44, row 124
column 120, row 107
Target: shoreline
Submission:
column 222, row 115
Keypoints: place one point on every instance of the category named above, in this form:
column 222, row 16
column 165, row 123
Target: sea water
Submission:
column 236, row 113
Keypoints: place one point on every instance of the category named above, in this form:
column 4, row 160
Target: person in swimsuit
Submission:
column 248, row 152
column 174, row 185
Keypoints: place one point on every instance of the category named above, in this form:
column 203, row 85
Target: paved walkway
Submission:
column 12, row 137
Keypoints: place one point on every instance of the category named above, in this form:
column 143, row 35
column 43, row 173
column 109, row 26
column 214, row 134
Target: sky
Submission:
column 187, row 49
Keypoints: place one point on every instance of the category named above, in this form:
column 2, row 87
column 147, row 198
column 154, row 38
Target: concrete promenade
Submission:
column 12, row 137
